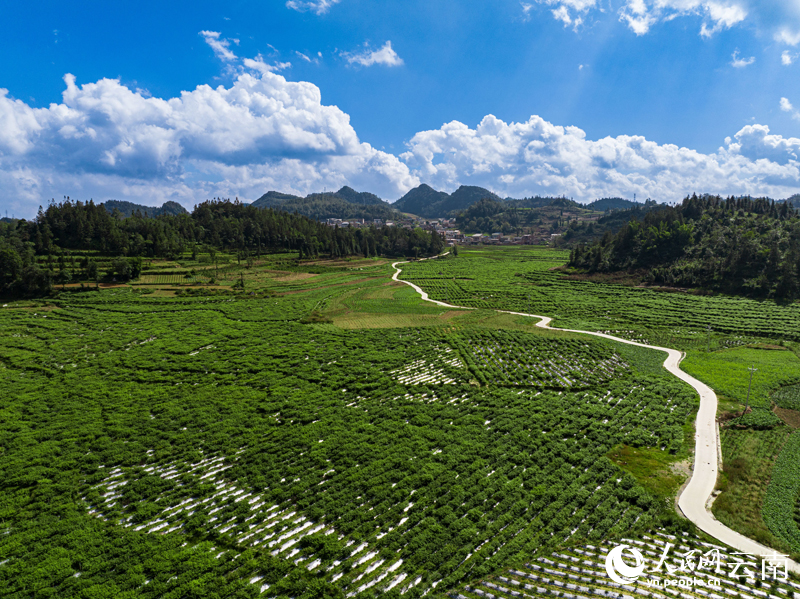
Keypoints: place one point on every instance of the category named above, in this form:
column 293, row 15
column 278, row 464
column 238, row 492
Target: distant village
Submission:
column 446, row 228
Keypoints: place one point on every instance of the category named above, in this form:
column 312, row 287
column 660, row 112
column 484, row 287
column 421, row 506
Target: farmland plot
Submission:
column 579, row 571
column 202, row 420
column 519, row 278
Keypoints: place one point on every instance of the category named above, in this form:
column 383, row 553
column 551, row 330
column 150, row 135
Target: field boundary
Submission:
column 695, row 495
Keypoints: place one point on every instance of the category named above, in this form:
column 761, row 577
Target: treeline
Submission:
column 35, row 254
column 320, row 206
column 740, row 245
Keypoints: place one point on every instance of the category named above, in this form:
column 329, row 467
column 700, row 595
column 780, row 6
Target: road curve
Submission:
column 695, row 495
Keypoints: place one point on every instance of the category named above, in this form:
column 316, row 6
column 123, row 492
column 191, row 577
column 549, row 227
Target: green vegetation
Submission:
column 528, row 279
column 782, row 494
column 748, row 458
column 66, row 241
column 727, row 372
column 788, row 397
column 345, row 204
column 744, row 333
column 657, row 471
column 427, row 202
column 158, row 445
column 126, row 209
column 735, row 245
column 543, row 217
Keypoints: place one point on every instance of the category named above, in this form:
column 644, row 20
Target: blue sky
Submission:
column 578, row 97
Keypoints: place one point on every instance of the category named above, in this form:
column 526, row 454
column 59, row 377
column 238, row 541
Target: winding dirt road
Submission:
column 695, row 495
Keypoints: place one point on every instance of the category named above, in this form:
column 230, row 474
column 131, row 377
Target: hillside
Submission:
column 421, row 200
column 127, row 209
column 612, row 204
column 274, row 199
column 427, row 202
column 737, row 245
column 543, row 217
column 346, row 203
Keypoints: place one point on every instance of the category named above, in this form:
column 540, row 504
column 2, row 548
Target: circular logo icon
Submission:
column 618, row 570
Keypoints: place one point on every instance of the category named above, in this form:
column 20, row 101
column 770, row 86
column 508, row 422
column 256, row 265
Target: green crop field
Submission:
column 521, row 278
column 783, row 494
column 740, row 333
column 323, row 432
column 218, row 446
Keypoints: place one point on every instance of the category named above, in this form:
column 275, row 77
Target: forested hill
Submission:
column 553, row 220
column 126, row 209
column 614, row 204
column 347, row 203
column 29, row 251
column 427, row 202
column 735, row 245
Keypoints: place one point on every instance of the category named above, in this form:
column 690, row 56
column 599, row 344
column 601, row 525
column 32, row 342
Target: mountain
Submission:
column 364, row 198
column 274, row 199
column 427, row 202
column 129, row 208
column 347, row 203
column 604, row 204
column 420, row 199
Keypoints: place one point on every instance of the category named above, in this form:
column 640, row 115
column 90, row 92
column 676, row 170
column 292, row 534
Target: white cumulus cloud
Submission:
column 787, row 58
column 318, row 7
column 105, row 140
column 520, row 159
column 385, row 56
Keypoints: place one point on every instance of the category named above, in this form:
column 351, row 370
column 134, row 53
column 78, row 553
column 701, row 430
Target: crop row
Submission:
column 488, row 278
column 782, row 493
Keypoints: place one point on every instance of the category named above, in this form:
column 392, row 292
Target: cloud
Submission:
column 384, row 56
column 787, row 58
column 526, row 11
column 307, row 58
column 641, row 15
column 258, row 64
column 569, row 12
column 786, row 106
column 221, row 47
column 787, row 36
column 740, row 63
column 521, row 159
column 318, row 7
column 104, row 140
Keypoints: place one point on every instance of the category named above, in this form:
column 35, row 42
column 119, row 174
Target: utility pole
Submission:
column 752, row 370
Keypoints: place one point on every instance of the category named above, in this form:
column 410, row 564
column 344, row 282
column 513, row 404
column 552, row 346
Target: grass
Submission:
column 748, row 459
column 657, row 471
column 727, row 372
